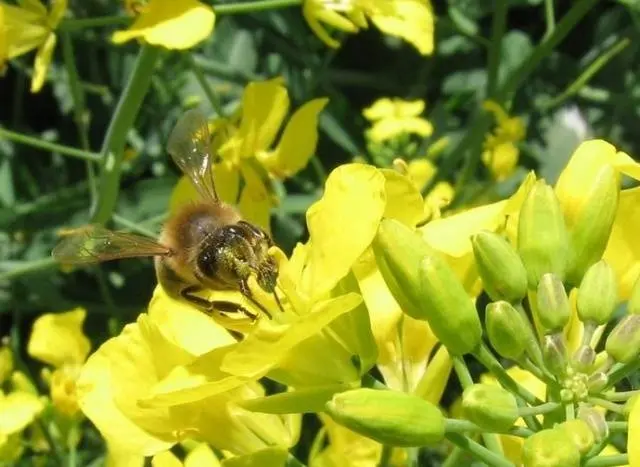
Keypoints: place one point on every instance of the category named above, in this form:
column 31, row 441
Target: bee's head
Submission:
column 265, row 267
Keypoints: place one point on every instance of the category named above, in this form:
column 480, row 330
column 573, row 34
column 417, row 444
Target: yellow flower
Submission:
column 57, row 339
column 4, row 50
column 501, row 152
column 244, row 144
column 411, row 20
column 395, row 117
column 28, row 27
column 167, row 23
column 118, row 381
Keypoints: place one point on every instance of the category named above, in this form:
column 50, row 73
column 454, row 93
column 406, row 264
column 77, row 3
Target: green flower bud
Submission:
column 503, row 274
column 542, row 234
column 623, row 343
column 584, row 358
column 398, row 251
column 597, row 381
column 634, row 301
column 598, row 294
column 553, row 309
column 550, row 448
column 491, row 407
column 591, row 230
column 450, row 312
column 595, row 420
column 580, row 433
column 506, row 329
column 389, row 417
column 554, row 352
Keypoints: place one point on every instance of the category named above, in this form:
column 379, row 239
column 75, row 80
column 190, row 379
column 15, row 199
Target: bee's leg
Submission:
column 209, row 306
column 246, row 291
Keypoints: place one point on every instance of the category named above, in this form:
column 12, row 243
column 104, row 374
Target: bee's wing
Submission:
column 95, row 244
column 189, row 146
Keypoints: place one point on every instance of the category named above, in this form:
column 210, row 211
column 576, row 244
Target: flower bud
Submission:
column 542, row 234
column 450, row 312
column 580, row 433
column 554, row 352
column 506, row 329
column 553, row 309
column 550, row 448
column 592, row 227
column 398, row 251
column 623, row 343
column 503, row 274
column 597, row 381
column 598, row 294
column 491, row 407
column 584, row 358
column 596, row 422
column 389, row 417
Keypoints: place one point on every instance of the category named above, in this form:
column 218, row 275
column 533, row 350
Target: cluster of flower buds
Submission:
column 552, row 297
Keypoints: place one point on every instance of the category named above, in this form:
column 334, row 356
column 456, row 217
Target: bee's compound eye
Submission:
column 207, row 261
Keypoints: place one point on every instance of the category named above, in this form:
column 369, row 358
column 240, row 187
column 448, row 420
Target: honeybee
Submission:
column 204, row 245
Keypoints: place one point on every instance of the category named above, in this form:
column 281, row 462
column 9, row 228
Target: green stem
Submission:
column 204, row 84
column 491, row 441
column 454, row 458
column 538, row 409
column 621, row 396
column 26, row 267
column 48, row 146
column 251, row 7
column 123, row 118
column 544, row 48
column 618, row 426
column 385, row 455
column 613, row 407
column 75, row 24
column 495, row 50
column 493, row 365
column 80, row 113
column 550, row 17
column 478, row 450
column 608, row 461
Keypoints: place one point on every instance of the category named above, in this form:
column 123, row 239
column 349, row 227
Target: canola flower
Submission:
column 166, row 23
column 244, row 144
column 500, row 154
column 393, row 117
column 30, row 26
column 410, row 20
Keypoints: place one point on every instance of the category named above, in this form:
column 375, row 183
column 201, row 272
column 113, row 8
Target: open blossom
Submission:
column 395, row 117
column 411, row 20
column 27, row 27
column 170, row 24
column 244, row 144
column 501, row 152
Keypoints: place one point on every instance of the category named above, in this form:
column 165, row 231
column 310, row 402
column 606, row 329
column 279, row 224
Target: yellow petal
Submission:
column 114, row 378
column 501, row 160
column 4, row 47
column 58, row 338
column 165, row 459
column 201, row 455
column 256, row 201
column 623, row 249
column 174, row 25
column 264, row 107
column 633, row 447
column 411, row 20
column 386, row 129
column 309, row 12
column 34, row 6
column 382, row 108
column 58, row 10
column 403, row 200
column 343, row 223
column 298, row 142
column 421, row 171
column 17, row 410
column 42, row 62
column 24, row 29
